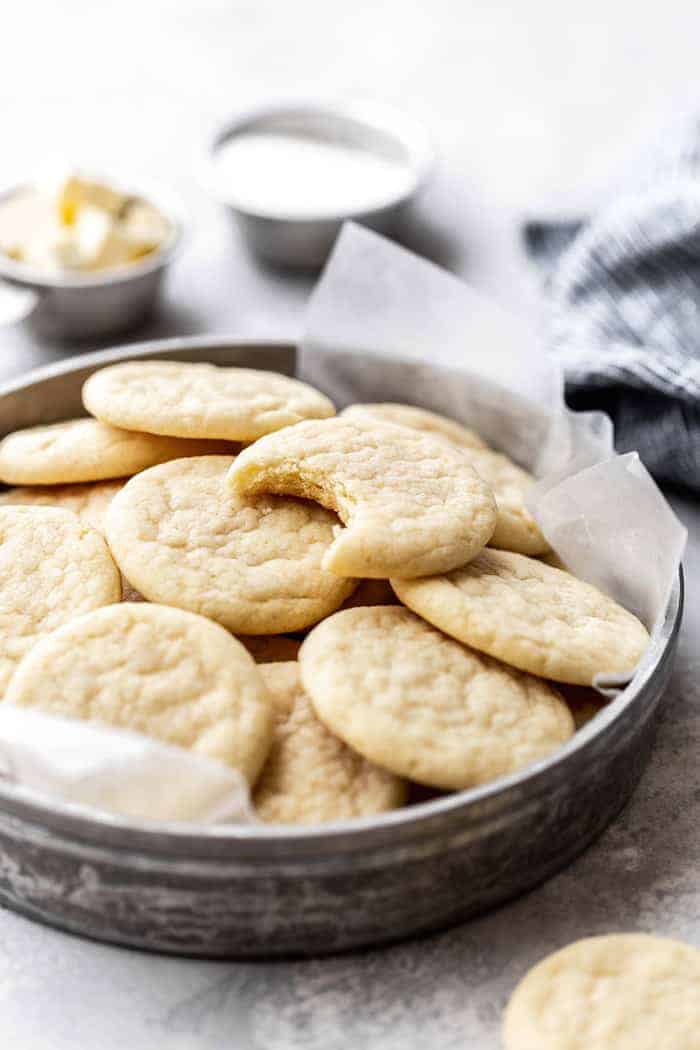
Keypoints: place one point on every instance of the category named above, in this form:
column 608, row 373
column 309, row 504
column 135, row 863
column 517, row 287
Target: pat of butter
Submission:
column 145, row 228
column 51, row 249
column 99, row 239
column 76, row 193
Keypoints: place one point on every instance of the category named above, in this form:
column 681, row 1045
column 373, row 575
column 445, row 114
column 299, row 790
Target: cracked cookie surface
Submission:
column 82, row 450
column 516, row 529
column 617, row 992
column 200, row 400
column 424, row 706
column 311, row 776
column 159, row 671
column 410, row 503
column 52, row 567
column 417, row 419
column 182, row 538
column 89, row 501
column 531, row 616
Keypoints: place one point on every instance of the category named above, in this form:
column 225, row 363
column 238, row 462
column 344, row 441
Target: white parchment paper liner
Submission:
column 380, row 321
column 117, row 770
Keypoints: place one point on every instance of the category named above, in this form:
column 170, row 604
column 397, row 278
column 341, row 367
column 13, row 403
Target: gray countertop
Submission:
column 525, row 101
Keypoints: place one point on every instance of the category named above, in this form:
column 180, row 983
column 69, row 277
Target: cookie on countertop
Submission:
column 200, row 400
column 159, row 671
column 530, row 615
column 311, row 776
column 83, row 450
column 182, row 538
column 424, row 706
column 623, row 991
column 410, row 504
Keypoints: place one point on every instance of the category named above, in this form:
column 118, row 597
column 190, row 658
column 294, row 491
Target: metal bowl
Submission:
column 263, row 891
column 91, row 305
column 306, row 242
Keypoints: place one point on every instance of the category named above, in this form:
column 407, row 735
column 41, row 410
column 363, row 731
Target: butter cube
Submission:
column 144, row 228
column 64, row 251
column 100, row 241
column 77, row 192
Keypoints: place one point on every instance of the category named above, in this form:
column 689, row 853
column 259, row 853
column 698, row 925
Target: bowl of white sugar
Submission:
column 292, row 173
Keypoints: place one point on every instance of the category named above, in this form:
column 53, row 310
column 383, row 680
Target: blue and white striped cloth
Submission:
column 624, row 296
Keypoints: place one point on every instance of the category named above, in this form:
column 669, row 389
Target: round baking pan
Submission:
column 270, row 890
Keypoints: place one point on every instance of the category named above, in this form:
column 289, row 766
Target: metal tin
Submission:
column 90, row 306
column 262, row 891
column 306, row 242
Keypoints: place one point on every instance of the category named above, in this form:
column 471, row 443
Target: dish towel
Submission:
column 623, row 290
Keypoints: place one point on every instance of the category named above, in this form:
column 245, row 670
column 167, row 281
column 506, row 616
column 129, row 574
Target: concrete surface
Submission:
column 527, row 103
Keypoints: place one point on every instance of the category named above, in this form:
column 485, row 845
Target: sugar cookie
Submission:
column 410, row 503
column 182, row 538
column 89, row 501
column 424, row 706
column 52, row 567
column 311, row 776
column 200, row 400
column 516, row 529
column 531, row 616
column 82, row 450
column 624, row 991
column 418, row 419
column 158, row 671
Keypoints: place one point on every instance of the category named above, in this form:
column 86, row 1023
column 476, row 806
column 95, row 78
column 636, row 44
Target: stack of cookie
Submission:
column 392, row 540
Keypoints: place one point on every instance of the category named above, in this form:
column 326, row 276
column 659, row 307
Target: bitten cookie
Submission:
column 418, row 419
column 182, row 538
column 200, row 400
column 411, row 504
column 424, row 706
column 531, row 616
column 52, row 567
column 516, row 529
column 620, row 992
column 81, row 450
column 89, row 501
column 158, row 671
column 310, row 776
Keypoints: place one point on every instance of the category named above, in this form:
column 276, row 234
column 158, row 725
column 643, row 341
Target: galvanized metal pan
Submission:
column 251, row 891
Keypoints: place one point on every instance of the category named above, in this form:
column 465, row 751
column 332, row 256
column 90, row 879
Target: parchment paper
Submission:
column 380, row 321
column 117, row 770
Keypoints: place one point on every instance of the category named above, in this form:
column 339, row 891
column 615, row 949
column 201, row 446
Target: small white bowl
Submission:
column 90, row 305
column 306, row 241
